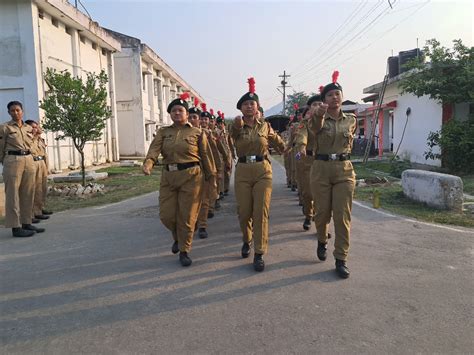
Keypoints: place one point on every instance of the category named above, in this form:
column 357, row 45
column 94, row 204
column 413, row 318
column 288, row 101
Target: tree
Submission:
column 299, row 98
column 75, row 108
column 448, row 77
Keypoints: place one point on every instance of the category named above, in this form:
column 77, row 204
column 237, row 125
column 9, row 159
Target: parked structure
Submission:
column 40, row 34
column 145, row 85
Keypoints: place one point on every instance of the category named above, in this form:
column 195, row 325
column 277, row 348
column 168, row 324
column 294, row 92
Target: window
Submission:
column 104, row 51
column 94, row 46
column 144, row 81
column 41, row 14
column 54, row 22
column 156, row 89
column 83, row 39
column 68, row 30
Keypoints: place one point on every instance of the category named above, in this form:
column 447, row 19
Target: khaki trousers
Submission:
column 208, row 195
column 292, row 167
column 303, row 168
column 41, row 187
column 332, row 185
column 286, row 160
column 180, row 193
column 227, row 175
column 19, row 178
column 253, row 192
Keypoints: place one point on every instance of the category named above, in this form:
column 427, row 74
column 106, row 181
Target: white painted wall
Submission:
column 29, row 45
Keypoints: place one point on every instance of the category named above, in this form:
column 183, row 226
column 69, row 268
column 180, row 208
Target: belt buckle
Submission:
column 172, row 167
column 332, row 156
column 251, row 158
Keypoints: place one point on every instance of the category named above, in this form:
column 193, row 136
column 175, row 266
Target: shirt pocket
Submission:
column 191, row 140
column 348, row 138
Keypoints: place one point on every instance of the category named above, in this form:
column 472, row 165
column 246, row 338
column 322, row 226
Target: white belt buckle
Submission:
column 251, row 158
column 172, row 167
column 333, row 156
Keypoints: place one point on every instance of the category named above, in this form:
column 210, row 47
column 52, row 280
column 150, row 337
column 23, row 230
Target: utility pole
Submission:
column 283, row 85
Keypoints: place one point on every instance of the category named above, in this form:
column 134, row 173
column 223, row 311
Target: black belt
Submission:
column 39, row 157
column 180, row 166
column 309, row 153
column 330, row 157
column 251, row 158
column 19, row 152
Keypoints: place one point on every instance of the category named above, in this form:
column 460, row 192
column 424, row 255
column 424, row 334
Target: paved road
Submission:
column 103, row 280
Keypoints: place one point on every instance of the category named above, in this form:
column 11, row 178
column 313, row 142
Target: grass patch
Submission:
column 468, row 182
column 392, row 199
column 122, row 183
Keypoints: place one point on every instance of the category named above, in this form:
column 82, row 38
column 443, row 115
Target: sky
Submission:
column 216, row 45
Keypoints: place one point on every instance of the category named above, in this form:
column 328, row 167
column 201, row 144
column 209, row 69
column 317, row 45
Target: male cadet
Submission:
column 38, row 151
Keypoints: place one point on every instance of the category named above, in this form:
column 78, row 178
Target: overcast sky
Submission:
column 216, row 45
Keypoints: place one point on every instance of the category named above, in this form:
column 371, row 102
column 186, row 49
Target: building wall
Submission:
column 39, row 40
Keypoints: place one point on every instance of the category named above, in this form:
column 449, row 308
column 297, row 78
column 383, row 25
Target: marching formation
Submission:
column 198, row 153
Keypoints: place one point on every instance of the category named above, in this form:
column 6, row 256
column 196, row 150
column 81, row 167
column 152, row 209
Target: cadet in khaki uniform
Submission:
column 222, row 151
column 186, row 158
column 16, row 139
column 41, row 177
column 285, row 135
column 209, row 186
column 332, row 174
column 304, row 149
column 253, row 174
column 224, row 137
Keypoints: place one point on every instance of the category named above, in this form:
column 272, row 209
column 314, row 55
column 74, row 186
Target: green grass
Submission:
column 122, row 183
column 468, row 182
column 392, row 199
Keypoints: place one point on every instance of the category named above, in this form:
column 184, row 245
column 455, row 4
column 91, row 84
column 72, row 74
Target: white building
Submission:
column 145, row 85
column 408, row 132
column 40, row 34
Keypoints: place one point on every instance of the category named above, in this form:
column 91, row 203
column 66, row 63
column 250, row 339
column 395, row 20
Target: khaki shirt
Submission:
column 304, row 137
column 12, row 137
column 255, row 140
column 223, row 151
column 181, row 145
column 212, row 143
column 39, row 149
column 336, row 135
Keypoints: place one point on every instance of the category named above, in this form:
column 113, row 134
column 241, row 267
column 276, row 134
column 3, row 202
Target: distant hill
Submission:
column 275, row 110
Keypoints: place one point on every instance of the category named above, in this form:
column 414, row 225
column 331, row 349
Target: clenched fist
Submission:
column 238, row 122
column 147, row 166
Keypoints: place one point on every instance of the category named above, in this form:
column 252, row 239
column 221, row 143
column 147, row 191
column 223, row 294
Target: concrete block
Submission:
column 437, row 190
column 77, row 177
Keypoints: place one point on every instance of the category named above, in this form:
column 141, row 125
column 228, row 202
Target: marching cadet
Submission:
column 230, row 143
column 332, row 174
column 253, row 174
column 186, row 160
column 16, row 139
column 224, row 138
column 209, row 186
column 285, row 135
column 224, row 156
column 38, row 152
column 293, row 127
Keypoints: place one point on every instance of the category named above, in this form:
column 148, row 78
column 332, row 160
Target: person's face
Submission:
column 212, row 124
column 333, row 99
column 16, row 112
column 179, row 115
column 194, row 119
column 204, row 122
column 35, row 129
column 221, row 125
column 39, row 131
column 249, row 108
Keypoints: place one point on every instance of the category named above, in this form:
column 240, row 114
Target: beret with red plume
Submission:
column 334, row 85
column 250, row 95
column 180, row 101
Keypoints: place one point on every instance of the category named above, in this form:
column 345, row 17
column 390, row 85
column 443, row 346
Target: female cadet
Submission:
column 186, row 160
column 332, row 174
column 16, row 139
column 253, row 174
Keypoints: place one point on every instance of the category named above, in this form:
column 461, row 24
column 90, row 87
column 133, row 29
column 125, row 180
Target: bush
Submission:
column 398, row 166
column 456, row 142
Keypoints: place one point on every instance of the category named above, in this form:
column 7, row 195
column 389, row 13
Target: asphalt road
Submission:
column 103, row 280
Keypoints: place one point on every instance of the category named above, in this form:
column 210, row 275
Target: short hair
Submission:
column 14, row 103
column 30, row 122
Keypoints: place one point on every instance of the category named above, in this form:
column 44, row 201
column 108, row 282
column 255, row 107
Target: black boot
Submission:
column 184, row 259
column 258, row 263
column 217, row 205
column 175, row 248
column 342, row 269
column 322, row 251
column 307, row 224
column 202, row 233
column 22, row 233
column 46, row 212
column 210, row 214
column 293, row 187
column 30, row 227
column 35, row 220
column 41, row 216
column 245, row 250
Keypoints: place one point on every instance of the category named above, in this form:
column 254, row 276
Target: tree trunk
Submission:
column 83, row 168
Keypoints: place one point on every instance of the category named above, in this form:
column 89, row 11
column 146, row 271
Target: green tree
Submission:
column 298, row 97
column 448, row 77
column 75, row 108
